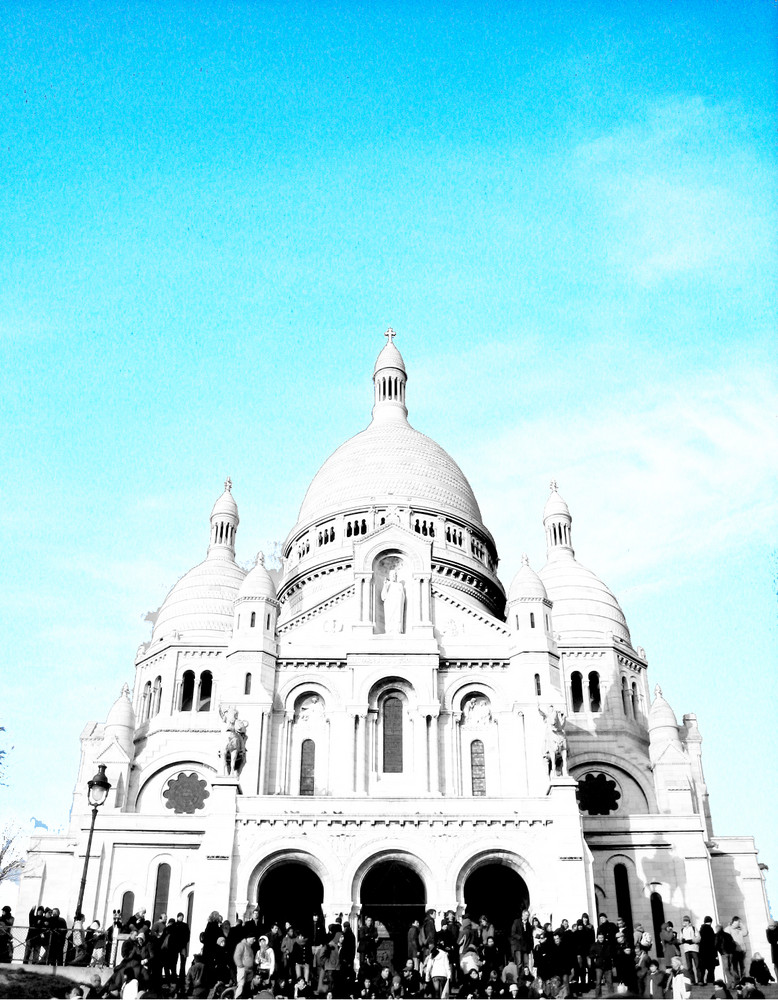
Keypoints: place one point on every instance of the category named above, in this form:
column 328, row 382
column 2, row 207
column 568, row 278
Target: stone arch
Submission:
column 492, row 856
column 171, row 763
column 460, row 689
column 288, row 695
column 629, row 777
column 372, row 856
column 258, row 867
column 377, row 681
column 392, row 538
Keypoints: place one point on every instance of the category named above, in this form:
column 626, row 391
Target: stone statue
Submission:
column 393, row 596
column 235, row 748
column 477, row 712
column 555, row 751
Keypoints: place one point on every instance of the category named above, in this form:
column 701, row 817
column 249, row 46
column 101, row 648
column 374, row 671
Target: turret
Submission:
column 389, row 378
column 224, row 524
column 558, row 524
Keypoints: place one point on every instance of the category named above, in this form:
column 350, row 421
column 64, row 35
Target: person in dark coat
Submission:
column 601, row 963
column 772, row 940
column 708, row 955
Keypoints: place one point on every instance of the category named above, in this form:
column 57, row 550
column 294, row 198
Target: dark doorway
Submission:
column 393, row 895
column 290, row 892
column 498, row 892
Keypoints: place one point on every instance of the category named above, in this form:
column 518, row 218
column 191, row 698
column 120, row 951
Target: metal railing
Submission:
column 39, row 951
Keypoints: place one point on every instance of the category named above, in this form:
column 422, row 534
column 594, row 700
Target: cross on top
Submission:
column 553, row 485
column 228, row 485
column 390, row 334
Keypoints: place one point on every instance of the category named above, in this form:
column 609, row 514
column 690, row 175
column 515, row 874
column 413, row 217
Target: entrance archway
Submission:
column 290, row 892
column 393, row 895
column 497, row 891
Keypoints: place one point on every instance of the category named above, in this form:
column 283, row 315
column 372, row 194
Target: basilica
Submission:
column 380, row 726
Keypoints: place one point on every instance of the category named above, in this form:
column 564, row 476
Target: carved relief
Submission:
column 477, row 711
column 310, row 710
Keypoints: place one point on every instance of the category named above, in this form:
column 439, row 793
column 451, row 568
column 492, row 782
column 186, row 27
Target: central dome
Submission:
column 389, row 462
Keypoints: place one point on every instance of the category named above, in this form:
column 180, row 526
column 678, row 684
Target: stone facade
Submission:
column 399, row 708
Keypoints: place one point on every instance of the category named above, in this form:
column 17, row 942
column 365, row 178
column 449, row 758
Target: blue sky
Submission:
column 209, row 213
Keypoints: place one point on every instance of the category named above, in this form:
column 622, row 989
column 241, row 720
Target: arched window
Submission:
column 187, row 691
column 537, row 684
column 477, row 768
column 635, row 702
column 576, row 691
column 658, row 920
column 204, row 692
column 128, row 906
column 594, row 692
column 162, row 891
column 623, row 901
column 145, row 705
column 156, row 699
column 307, row 767
column 625, row 695
column 253, row 621
column 393, row 735
column 247, row 684
column 267, row 624
column 532, row 619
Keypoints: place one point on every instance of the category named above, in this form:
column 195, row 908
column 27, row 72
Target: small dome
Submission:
column 121, row 715
column 203, row 599
column 226, row 502
column 527, row 584
column 555, row 505
column 583, row 605
column 258, row 582
column 661, row 715
column 389, row 357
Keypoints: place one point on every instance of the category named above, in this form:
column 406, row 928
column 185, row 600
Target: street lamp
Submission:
column 99, row 786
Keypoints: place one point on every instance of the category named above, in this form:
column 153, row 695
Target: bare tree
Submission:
column 12, row 857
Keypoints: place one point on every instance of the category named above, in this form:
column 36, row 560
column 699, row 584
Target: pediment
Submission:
column 457, row 618
column 113, row 753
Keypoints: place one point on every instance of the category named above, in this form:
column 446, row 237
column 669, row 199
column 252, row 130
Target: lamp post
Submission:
column 99, row 786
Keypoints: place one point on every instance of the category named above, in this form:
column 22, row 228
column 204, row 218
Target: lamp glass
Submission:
column 99, row 787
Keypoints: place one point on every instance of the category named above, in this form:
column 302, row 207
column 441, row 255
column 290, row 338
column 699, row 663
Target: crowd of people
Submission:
column 442, row 957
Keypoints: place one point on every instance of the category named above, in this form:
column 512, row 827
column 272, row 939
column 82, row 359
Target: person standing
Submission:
column 707, row 953
column 690, row 947
column 682, row 987
column 6, row 935
column 738, row 934
column 243, row 956
column 772, row 940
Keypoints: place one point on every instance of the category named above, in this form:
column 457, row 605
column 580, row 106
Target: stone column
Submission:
column 264, row 746
column 456, row 754
column 434, row 753
column 361, row 751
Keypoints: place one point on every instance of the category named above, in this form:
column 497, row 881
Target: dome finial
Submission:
column 389, row 378
column 224, row 524
column 260, row 561
column 524, row 559
column 657, row 692
column 558, row 524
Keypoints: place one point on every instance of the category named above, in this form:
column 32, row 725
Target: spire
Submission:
column 224, row 524
column 558, row 524
column 389, row 378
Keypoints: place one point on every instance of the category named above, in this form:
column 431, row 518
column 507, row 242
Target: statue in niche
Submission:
column 555, row 751
column 235, row 748
column 311, row 709
column 393, row 596
column 478, row 712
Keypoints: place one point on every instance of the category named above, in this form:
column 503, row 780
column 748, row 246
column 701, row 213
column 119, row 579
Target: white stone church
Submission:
column 415, row 735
